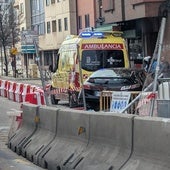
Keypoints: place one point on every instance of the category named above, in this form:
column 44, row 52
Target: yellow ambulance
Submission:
column 81, row 55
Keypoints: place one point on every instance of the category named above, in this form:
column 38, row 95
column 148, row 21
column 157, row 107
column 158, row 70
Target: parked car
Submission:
column 110, row 80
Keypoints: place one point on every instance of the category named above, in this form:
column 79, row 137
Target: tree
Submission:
column 9, row 32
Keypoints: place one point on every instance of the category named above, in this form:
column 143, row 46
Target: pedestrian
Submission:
column 152, row 68
column 164, row 67
column 146, row 63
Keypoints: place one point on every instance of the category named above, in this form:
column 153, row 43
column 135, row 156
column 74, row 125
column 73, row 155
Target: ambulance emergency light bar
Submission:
column 89, row 34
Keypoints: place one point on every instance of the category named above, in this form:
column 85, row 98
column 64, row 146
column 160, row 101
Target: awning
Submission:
column 105, row 27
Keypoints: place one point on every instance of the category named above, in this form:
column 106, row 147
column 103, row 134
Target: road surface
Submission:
column 9, row 160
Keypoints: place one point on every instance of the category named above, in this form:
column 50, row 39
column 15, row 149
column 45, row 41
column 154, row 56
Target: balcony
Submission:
column 137, row 2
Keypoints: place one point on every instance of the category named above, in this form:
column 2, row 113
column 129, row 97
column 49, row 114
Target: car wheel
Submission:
column 92, row 106
column 73, row 99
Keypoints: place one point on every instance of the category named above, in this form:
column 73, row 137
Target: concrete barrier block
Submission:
column 110, row 142
column 27, row 129
column 71, row 139
column 151, row 144
column 44, row 134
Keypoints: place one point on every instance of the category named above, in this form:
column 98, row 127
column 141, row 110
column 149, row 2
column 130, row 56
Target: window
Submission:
column 65, row 24
column 38, row 16
column 93, row 60
column 87, row 21
column 47, row 2
column 108, row 5
column 54, row 26
column 21, row 8
column 52, row 1
column 41, row 28
column 59, row 25
column 48, row 27
column 80, row 22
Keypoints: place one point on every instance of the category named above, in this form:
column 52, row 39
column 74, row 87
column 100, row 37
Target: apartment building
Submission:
column 86, row 15
column 60, row 21
column 138, row 19
column 53, row 20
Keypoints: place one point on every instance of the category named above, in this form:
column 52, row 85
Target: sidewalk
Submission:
column 32, row 81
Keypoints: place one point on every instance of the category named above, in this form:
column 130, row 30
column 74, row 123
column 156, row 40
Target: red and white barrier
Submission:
column 26, row 90
column 11, row 91
column 41, row 97
column 33, row 88
column 3, row 88
column 15, row 117
column 37, row 97
column 18, row 92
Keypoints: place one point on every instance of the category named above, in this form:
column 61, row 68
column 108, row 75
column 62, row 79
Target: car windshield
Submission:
column 109, row 76
column 112, row 73
column 93, row 60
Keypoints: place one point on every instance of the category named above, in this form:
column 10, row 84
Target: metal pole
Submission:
column 26, row 64
column 41, row 74
column 162, row 30
column 81, row 78
column 2, row 62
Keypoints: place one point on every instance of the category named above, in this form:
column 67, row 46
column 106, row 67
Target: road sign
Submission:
column 28, row 49
column 28, row 37
column 14, row 51
column 28, row 40
column 120, row 100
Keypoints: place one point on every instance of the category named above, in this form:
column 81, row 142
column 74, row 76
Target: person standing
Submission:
column 13, row 64
column 164, row 67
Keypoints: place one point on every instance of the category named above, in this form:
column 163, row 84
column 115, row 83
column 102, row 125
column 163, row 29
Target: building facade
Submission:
column 138, row 19
column 55, row 19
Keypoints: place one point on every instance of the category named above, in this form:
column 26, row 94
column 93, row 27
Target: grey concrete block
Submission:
column 27, row 128
column 151, row 144
column 44, row 134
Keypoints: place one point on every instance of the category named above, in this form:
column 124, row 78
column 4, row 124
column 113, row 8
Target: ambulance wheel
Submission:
column 73, row 99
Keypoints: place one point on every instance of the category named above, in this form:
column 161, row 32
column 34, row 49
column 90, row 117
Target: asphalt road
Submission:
column 9, row 160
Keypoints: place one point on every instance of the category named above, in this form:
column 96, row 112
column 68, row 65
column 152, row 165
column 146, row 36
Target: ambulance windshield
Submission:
column 93, row 60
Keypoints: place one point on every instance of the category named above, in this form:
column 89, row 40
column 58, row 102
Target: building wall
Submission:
column 127, row 9
column 25, row 15
column 59, row 10
column 141, row 8
column 112, row 15
column 120, row 11
column 84, row 8
column 166, row 41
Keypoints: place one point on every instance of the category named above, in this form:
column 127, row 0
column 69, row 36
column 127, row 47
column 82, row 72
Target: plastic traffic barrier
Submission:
column 37, row 97
column 3, row 88
column 18, row 92
column 26, row 90
column 11, row 91
column 15, row 117
column 41, row 97
column 8, row 87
